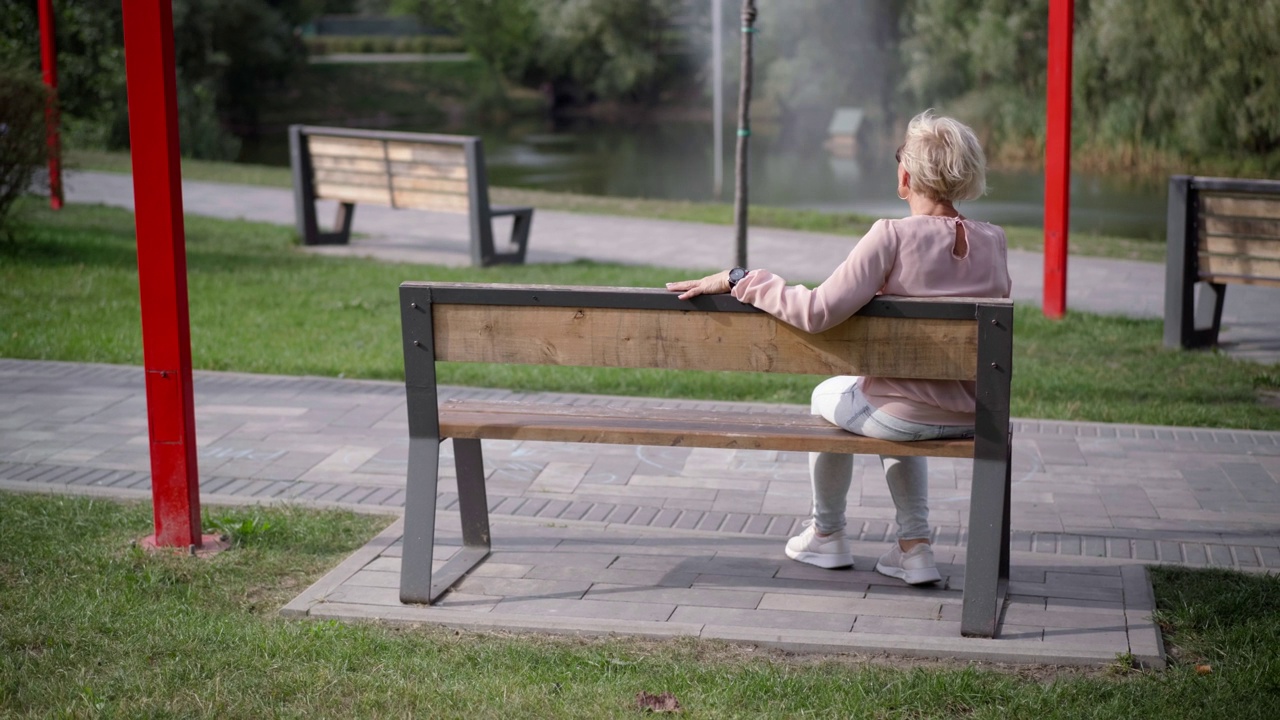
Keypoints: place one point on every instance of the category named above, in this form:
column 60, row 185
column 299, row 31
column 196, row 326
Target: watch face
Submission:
column 736, row 275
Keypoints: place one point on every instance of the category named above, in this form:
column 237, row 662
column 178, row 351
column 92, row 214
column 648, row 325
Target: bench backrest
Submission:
column 398, row 169
column 1235, row 225
column 940, row 338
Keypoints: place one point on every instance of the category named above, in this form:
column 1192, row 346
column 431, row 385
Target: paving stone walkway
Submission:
column 680, row 541
column 663, row 541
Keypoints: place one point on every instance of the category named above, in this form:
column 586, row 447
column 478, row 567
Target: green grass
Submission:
column 91, row 626
column 852, row 224
column 68, row 291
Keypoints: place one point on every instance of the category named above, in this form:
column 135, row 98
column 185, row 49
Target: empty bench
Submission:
column 945, row 338
column 1221, row 231
column 400, row 170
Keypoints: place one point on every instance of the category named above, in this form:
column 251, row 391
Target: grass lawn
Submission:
column 91, row 626
column 68, row 291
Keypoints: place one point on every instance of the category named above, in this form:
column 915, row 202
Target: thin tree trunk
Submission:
column 744, row 133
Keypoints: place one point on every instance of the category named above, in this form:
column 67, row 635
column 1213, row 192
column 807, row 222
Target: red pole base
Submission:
column 209, row 546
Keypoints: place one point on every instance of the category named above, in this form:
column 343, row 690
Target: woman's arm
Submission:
column 852, row 285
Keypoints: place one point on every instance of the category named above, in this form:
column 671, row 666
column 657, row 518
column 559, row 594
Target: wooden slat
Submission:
column 432, row 201
column 740, row 430
column 348, row 164
column 692, row 340
column 426, row 153
column 331, row 178
column 1241, row 280
column 448, row 171
column 429, row 185
column 353, row 193
column 344, row 147
column 1240, row 205
column 1245, row 247
column 1265, row 271
column 1242, row 227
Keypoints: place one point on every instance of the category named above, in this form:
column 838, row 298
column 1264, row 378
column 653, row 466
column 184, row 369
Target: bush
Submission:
column 23, row 147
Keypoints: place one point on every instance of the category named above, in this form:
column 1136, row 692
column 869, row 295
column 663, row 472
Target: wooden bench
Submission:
column 952, row 338
column 400, row 170
column 1221, row 231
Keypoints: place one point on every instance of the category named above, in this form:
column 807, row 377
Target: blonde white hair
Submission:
column 944, row 158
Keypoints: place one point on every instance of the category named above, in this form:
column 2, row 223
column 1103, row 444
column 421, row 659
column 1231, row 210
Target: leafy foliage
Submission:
column 229, row 55
column 1172, row 82
column 22, row 131
column 579, row 50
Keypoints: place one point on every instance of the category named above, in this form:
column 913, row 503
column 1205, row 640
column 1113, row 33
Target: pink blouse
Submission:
column 916, row 257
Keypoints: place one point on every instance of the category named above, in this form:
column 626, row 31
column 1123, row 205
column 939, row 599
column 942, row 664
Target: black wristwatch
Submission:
column 736, row 275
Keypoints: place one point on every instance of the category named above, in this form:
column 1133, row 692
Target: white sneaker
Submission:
column 915, row 566
column 828, row 552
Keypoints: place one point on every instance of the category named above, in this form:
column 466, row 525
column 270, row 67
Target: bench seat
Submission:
column 729, row 430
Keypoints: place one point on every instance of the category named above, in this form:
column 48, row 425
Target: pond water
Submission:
column 674, row 160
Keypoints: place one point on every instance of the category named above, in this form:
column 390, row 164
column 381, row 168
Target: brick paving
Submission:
column 676, row 541
column 663, row 541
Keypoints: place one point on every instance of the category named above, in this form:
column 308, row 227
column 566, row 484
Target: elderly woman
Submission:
column 933, row 252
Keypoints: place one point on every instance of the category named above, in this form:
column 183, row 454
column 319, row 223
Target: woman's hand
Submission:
column 717, row 284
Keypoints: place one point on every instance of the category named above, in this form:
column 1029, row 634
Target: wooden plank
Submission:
column 1230, row 266
column 444, row 171
column 696, row 340
column 1241, row 280
column 1256, row 206
column 353, row 193
column 429, row 185
column 344, row 147
column 1245, row 247
column 740, row 430
column 334, row 177
column 426, row 153
column 1242, row 227
column 432, row 201
column 348, row 164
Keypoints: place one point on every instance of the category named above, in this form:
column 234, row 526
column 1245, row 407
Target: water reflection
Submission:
column 673, row 160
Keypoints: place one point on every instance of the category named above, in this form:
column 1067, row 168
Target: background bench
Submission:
column 400, row 170
column 951, row 338
column 1220, row 231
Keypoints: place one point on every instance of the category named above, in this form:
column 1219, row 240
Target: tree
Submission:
column 584, row 50
column 229, row 54
column 22, row 130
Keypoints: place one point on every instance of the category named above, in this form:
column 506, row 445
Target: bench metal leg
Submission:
column 341, row 234
column 419, row 520
column 1209, row 300
column 473, row 506
column 986, row 574
column 418, row 583
column 483, row 252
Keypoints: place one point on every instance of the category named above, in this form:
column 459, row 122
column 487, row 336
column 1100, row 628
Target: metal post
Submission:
column 744, row 132
column 1057, row 192
column 52, row 121
column 162, row 270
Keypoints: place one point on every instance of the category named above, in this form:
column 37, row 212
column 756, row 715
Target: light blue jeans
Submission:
column 840, row 401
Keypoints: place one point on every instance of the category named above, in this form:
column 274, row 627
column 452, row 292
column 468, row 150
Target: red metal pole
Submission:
column 49, row 64
column 162, row 270
column 1057, row 176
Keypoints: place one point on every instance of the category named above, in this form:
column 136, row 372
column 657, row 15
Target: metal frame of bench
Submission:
column 480, row 211
column 955, row 338
column 1216, row 229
